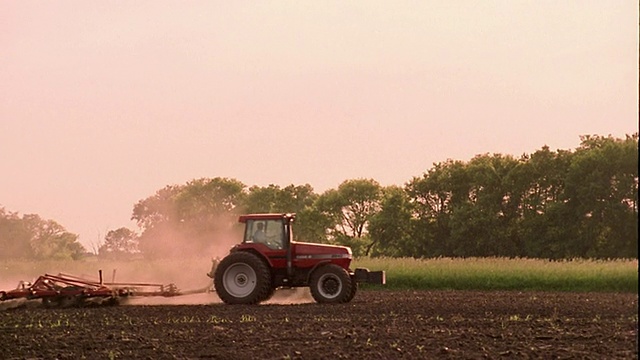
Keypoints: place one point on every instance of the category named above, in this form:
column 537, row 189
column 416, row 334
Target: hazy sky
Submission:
column 102, row 103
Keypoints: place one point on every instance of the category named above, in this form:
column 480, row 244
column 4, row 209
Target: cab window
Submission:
column 268, row 232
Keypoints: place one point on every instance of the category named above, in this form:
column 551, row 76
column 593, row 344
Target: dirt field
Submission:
column 376, row 325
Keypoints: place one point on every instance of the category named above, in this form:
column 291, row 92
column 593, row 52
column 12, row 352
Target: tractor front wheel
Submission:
column 331, row 284
column 354, row 290
column 242, row 278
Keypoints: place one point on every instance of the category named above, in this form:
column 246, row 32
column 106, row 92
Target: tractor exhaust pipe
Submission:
column 287, row 239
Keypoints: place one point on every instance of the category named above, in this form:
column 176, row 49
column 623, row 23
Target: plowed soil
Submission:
column 375, row 325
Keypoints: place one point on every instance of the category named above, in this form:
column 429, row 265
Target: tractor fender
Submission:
column 319, row 264
column 259, row 255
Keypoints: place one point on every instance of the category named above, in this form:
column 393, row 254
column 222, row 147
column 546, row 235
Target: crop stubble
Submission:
column 376, row 324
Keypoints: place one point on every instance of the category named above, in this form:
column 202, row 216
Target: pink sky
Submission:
column 103, row 103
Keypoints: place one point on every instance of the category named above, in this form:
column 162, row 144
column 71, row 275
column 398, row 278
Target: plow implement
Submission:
column 65, row 290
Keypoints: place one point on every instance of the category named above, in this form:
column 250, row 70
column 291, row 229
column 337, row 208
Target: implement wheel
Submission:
column 331, row 284
column 50, row 302
column 242, row 278
column 72, row 299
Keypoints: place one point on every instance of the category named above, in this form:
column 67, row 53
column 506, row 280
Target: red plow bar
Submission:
column 65, row 290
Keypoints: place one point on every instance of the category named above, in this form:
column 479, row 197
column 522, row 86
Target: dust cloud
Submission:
column 280, row 297
column 291, row 296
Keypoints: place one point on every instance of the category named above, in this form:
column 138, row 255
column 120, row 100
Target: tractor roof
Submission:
column 275, row 216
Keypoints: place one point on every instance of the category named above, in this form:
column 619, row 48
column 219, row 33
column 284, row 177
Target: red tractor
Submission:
column 268, row 259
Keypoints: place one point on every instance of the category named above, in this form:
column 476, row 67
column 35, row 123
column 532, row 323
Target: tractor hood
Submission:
column 302, row 250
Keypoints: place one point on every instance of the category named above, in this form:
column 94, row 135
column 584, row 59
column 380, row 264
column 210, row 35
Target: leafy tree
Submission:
column 548, row 204
column 546, row 171
column 50, row 240
column 274, row 199
column 601, row 192
column 206, row 206
column 545, row 220
column 310, row 224
column 469, row 209
column 433, row 197
column 390, row 228
column 157, row 209
column 119, row 243
column 496, row 197
column 14, row 237
column 190, row 218
column 31, row 237
column 349, row 209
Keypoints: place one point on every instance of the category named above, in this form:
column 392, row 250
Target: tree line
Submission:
column 578, row 203
column 31, row 237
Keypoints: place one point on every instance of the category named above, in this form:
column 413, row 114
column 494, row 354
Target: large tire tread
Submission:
column 354, row 290
column 335, row 274
column 263, row 287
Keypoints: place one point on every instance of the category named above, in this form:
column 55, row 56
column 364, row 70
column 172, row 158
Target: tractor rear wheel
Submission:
column 269, row 294
column 242, row 278
column 331, row 284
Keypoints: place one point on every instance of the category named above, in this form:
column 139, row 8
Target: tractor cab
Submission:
column 268, row 230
